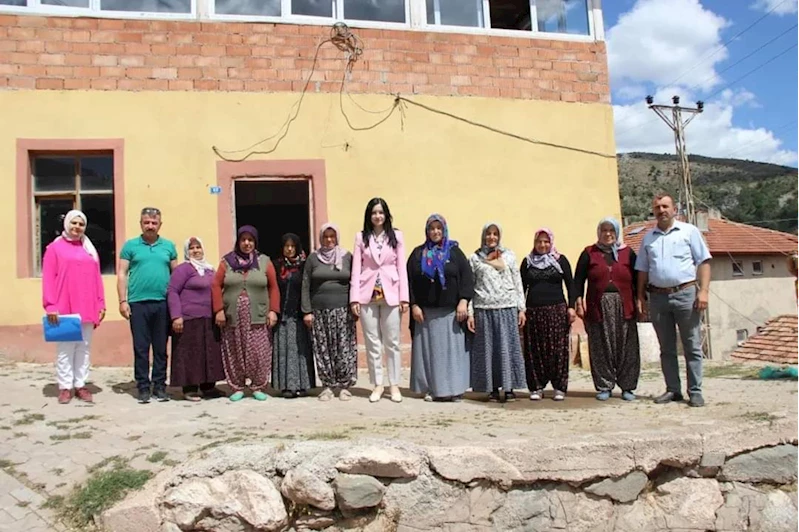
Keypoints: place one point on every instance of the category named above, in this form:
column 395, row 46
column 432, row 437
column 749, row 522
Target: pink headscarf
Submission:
column 542, row 262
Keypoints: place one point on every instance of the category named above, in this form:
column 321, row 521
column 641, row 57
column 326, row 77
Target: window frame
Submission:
column 415, row 18
column 739, row 272
column 73, row 195
column 739, row 333
column 27, row 206
column 755, row 270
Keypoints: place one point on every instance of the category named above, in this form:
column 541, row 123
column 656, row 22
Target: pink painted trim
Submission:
column 24, row 207
column 228, row 172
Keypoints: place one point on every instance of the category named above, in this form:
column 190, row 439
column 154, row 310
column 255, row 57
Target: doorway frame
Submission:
column 228, row 172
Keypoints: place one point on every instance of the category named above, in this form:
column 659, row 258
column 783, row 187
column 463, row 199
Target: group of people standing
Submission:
column 487, row 322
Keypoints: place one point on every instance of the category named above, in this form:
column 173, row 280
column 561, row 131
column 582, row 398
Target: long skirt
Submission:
column 292, row 361
column 335, row 347
column 439, row 360
column 613, row 346
column 246, row 350
column 496, row 351
column 196, row 354
column 546, row 347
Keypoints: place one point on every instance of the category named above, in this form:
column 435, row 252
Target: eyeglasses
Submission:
column 150, row 211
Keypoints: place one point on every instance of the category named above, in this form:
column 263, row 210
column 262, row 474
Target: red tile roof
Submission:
column 724, row 236
column 776, row 342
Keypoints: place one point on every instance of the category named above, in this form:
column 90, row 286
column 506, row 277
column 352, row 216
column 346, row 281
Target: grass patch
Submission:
column 57, row 471
column 18, row 435
column 5, row 427
column 156, row 457
column 101, row 491
column 218, row 443
column 71, row 436
column 19, row 411
column 28, row 419
column 730, row 371
column 134, row 438
column 23, row 504
column 6, row 464
column 170, row 463
column 116, row 461
column 758, row 417
column 325, row 435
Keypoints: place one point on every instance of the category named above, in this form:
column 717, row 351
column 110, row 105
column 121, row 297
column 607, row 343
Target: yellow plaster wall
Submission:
column 421, row 164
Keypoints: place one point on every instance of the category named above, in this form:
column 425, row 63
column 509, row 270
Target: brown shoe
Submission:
column 64, row 396
column 84, row 395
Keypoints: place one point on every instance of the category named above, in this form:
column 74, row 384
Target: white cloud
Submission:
column 657, row 40
column 712, row 133
column 671, row 47
column 780, row 7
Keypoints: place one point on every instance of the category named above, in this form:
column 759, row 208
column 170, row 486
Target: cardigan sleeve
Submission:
column 581, row 274
column 401, row 269
column 305, row 297
column 176, row 283
column 216, row 287
column 273, row 288
column 466, row 282
column 521, row 303
column 355, row 275
column 568, row 280
column 414, row 267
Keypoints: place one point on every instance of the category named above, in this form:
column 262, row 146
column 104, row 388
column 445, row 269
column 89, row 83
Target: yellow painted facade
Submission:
column 425, row 163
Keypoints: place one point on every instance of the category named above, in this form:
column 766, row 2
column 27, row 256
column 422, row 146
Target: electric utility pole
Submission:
column 677, row 125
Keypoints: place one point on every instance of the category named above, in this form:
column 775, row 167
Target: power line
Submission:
column 733, row 308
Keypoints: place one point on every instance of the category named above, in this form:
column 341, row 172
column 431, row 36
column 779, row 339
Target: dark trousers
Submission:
column 149, row 326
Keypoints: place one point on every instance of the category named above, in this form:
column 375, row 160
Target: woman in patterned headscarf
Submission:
column 495, row 315
column 609, row 311
column 325, row 304
column 292, row 363
column 549, row 318
column 246, row 302
column 441, row 286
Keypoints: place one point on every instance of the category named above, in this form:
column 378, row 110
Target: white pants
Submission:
column 72, row 360
column 381, row 328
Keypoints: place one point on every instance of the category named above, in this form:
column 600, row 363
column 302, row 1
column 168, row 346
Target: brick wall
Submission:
column 106, row 54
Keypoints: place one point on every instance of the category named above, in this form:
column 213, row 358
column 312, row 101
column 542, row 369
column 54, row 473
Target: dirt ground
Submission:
column 49, row 448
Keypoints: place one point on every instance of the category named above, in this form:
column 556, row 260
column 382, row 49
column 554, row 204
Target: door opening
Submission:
column 274, row 207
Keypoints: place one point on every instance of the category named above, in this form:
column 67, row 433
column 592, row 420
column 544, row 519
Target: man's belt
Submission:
column 671, row 289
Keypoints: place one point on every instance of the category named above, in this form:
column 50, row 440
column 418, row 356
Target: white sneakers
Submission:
column 377, row 394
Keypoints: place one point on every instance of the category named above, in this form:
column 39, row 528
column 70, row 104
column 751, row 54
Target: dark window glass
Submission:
column 68, row 3
column 54, row 174
column 313, row 8
column 149, row 6
column 248, row 7
column 562, row 16
column 97, row 172
column 99, row 209
column 382, row 10
column 50, row 222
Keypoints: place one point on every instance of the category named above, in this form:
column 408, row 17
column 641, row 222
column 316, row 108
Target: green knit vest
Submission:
column 255, row 285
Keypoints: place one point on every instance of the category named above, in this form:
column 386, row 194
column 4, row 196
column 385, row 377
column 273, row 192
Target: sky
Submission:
column 706, row 50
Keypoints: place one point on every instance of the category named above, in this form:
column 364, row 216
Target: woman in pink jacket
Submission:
column 71, row 284
column 379, row 294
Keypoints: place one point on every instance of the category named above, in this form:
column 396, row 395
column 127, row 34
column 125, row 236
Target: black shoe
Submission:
column 301, row 393
column 696, row 400
column 510, row 396
column 161, row 395
column 144, row 397
column 213, row 393
column 668, row 397
column 287, row 394
column 494, row 396
column 457, row 398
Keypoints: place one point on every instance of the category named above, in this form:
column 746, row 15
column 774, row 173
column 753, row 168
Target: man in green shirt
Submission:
column 145, row 264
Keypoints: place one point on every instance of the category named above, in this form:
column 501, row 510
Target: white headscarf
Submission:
column 201, row 265
column 87, row 244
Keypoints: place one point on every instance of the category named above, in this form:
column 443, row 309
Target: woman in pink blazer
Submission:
column 379, row 294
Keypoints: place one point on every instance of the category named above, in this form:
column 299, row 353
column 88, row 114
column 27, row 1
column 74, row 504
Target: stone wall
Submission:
column 717, row 481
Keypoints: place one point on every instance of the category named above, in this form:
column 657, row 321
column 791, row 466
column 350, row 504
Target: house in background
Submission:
column 751, row 282
column 193, row 106
column 775, row 342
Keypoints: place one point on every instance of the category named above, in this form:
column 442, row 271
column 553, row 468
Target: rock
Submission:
column 354, row 492
column 690, row 503
column 581, row 513
column 314, row 520
column 525, row 509
column 235, row 501
column 737, row 439
column 643, row 514
column 138, row 512
column 426, row 502
column 214, row 462
column 303, row 487
column 672, row 450
column 318, row 458
column 775, row 465
column 465, row 464
column 710, row 464
column 623, row 489
column 778, row 513
column 381, row 462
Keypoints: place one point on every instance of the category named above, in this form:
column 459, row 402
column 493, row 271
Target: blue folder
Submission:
column 68, row 329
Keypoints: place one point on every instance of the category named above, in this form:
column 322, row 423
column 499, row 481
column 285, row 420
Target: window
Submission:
column 757, row 267
column 268, row 8
column 67, row 3
column 21, row 3
column 65, row 181
column 742, row 335
column 552, row 16
column 378, row 10
column 149, row 6
column 737, row 269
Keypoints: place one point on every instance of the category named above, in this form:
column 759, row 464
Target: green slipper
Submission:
column 237, row 396
column 259, row 396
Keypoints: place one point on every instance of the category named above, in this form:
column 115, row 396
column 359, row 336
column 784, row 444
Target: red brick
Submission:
column 257, row 62
column 131, row 61
column 163, row 49
column 85, row 23
column 60, row 71
column 232, row 85
column 9, row 20
column 278, row 86
column 509, row 72
column 8, row 69
column 49, row 83
column 203, row 61
column 86, row 72
column 57, row 46
column 52, row 59
column 107, row 48
column 77, row 35
column 154, row 38
column 129, row 36
column 22, row 83
column 104, row 36
column 460, row 80
column 77, row 60
column 112, row 72
column 110, row 24
column 34, row 71
column 86, row 47
column 18, row 58
column 105, row 60
column 36, row 47
column 181, row 84
column 156, row 60
column 180, row 38
column 210, row 38
column 47, row 34
column 21, row 34
column 232, row 62
column 130, row 84
column 206, row 84
column 188, row 49
column 156, row 84
column 212, row 50
column 138, row 72
column 589, row 97
column 77, row 84
column 560, row 66
column 181, row 61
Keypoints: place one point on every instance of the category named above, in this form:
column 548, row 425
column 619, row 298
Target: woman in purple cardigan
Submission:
column 196, row 353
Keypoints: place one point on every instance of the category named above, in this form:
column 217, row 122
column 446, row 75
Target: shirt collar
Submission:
column 143, row 241
column 675, row 226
